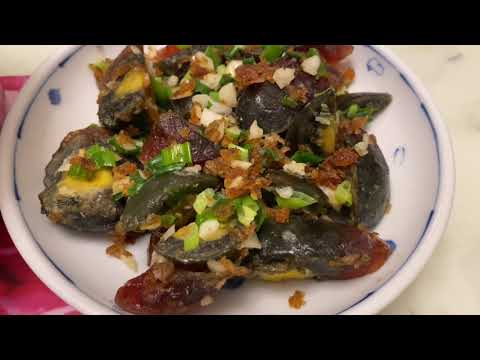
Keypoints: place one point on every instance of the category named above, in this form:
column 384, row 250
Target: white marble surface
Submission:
column 448, row 284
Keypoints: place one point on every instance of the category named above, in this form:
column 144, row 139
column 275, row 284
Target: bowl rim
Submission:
column 45, row 269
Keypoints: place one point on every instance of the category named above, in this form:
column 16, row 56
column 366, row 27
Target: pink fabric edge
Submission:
column 21, row 291
column 13, row 83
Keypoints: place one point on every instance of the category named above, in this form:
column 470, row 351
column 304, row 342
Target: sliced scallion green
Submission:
column 167, row 220
column 343, row 193
column 138, row 182
column 207, row 214
column 118, row 196
column 272, row 154
column 170, row 159
column 77, row 171
column 312, row 52
column 234, row 51
column 213, row 53
column 203, row 200
column 102, row 65
column 298, row 200
column 126, row 150
column 233, row 132
column 101, row 156
column 322, row 70
column 289, row 102
column 249, row 61
column 243, row 152
column 273, row 52
column 226, row 79
column 214, row 96
column 307, row 157
column 201, row 88
column 247, row 210
column 190, row 237
column 162, row 91
column 352, row 111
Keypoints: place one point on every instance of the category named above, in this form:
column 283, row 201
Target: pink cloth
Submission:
column 21, row 291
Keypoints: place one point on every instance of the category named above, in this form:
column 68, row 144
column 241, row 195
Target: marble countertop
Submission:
column 448, row 283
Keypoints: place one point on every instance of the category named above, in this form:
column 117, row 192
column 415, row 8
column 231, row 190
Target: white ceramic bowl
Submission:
column 61, row 96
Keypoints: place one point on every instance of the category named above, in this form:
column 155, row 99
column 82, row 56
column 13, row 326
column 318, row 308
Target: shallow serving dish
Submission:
column 61, row 96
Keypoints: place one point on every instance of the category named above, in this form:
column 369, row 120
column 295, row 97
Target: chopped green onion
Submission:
column 273, row 52
column 221, row 69
column 298, row 200
column 170, row 159
column 190, row 237
column 186, row 77
column 138, row 182
column 183, row 47
column 207, row 214
column 118, row 196
column 356, row 111
column 249, row 61
column 201, row 88
column 233, row 132
column 234, row 51
column 272, row 154
column 167, row 220
column 244, row 134
column 307, row 157
column 352, row 111
column 243, row 152
column 226, row 78
column 322, row 70
column 249, row 147
column 312, row 52
column 79, row 172
column 203, row 200
column 343, row 193
column 215, row 96
column 102, row 65
column 365, row 111
column 247, row 210
column 168, row 168
column 289, row 102
column 214, row 53
column 162, row 91
column 246, row 215
column 135, row 150
column 101, row 156
column 221, row 211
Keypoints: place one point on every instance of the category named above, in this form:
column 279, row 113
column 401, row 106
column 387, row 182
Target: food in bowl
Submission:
column 240, row 161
